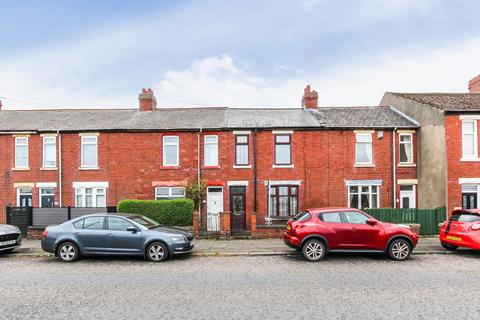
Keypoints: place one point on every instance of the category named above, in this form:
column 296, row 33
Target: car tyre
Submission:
column 399, row 250
column 157, row 252
column 67, row 252
column 448, row 246
column 314, row 250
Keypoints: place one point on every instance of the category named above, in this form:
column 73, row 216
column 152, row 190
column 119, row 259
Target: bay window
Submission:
column 210, row 154
column 171, row 151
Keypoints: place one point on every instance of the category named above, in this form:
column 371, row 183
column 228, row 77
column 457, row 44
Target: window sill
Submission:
column 242, row 167
column 88, row 168
column 21, row 169
column 169, row 168
column 283, row 166
column 210, row 167
column 406, row 165
column 364, row 165
column 48, row 168
column 470, row 159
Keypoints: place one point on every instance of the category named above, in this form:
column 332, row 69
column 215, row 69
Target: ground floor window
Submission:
column 469, row 196
column 24, row 197
column 90, row 197
column 47, row 197
column 361, row 197
column 283, row 201
column 165, row 193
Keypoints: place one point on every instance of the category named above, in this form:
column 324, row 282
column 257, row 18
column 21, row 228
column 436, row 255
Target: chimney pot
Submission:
column 310, row 98
column 474, row 85
column 147, row 100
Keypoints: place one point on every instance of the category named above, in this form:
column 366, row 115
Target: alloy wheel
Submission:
column 314, row 250
column 400, row 250
column 156, row 252
column 67, row 252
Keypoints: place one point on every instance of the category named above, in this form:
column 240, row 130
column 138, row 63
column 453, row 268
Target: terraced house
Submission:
column 271, row 162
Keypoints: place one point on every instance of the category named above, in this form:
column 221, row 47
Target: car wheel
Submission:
column 313, row 250
column 67, row 252
column 157, row 252
column 399, row 250
column 449, row 246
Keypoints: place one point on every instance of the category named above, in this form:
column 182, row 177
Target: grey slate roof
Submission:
column 452, row 102
column 196, row 118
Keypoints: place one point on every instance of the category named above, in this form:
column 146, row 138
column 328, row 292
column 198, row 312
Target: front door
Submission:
column 237, row 208
column 407, row 197
column 214, row 207
column 24, row 197
column 469, row 200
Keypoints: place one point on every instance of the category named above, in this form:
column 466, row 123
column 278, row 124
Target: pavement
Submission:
column 260, row 247
column 342, row 286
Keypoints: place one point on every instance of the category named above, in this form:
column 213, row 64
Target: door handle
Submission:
column 353, row 229
column 109, row 234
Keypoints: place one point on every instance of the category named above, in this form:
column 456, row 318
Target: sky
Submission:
column 99, row 54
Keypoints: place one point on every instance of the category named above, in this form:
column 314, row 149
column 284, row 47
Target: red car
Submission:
column 462, row 229
column 318, row 231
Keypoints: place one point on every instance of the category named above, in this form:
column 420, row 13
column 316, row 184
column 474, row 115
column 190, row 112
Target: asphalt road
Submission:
column 280, row 287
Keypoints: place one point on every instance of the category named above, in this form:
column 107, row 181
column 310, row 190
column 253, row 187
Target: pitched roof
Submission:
column 452, row 102
column 196, row 118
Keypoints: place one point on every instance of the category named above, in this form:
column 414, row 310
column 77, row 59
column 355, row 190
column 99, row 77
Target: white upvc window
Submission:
column 89, row 157
column 406, row 148
column 361, row 197
column 21, row 152
column 469, row 139
column 49, row 152
column 210, row 154
column 171, row 151
column 90, row 197
column 363, row 148
column 165, row 193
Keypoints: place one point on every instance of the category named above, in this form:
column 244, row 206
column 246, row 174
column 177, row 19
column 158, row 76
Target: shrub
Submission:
column 176, row 212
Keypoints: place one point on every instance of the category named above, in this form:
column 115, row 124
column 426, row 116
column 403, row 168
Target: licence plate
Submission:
column 6, row 243
column 454, row 238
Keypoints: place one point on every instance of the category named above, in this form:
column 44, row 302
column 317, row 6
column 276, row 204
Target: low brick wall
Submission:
column 272, row 231
column 35, row 232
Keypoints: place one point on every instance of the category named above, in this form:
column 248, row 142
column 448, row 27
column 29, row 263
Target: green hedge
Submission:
column 177, row 212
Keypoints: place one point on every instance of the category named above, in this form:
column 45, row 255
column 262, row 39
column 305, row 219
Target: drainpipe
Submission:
column 394, row 172
column 199, row 177
column 59, row 168
column 255, row 170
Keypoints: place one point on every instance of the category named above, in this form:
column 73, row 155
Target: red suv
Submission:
column 316, row 231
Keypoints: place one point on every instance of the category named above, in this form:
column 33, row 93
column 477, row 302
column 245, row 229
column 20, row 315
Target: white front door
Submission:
column 407, row 197
column 214, row 207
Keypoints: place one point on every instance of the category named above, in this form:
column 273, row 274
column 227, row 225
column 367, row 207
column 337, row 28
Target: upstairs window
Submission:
column 363, row 148
column 241, row 150
column 406, row 148
column 283, row 149
column 170, row 151
column 210, row 153
column 469, row 139
column 21, row 152
column 89, row 152
column 49, row 152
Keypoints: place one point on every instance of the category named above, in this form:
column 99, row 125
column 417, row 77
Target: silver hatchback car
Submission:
column 115, row 234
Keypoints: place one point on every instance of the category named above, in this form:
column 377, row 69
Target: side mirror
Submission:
column 132, row 229
column 372, row 222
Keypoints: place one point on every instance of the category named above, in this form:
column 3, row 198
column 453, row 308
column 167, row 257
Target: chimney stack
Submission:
column 474, row 85
column 147, row 100
column 310, row 98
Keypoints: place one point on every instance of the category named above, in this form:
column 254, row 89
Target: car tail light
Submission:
column 45, row 233
column 476, row 226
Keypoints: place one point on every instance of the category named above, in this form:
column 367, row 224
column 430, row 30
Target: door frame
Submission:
column 223, row 204
column 412, row 194
column 244, row 195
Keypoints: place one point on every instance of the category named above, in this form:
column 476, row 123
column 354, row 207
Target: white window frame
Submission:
column 369, row 135
column 177, row 144
column 41, row 194
column 475, row 140
column 83, row 137
column 404, row 143
column 170, row 192
column 360, row 193
column 45, row 139
column 205, row 143
column 80, row 191
column 28, row 151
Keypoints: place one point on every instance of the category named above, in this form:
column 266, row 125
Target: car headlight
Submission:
column 404, row 226
column 177, row 238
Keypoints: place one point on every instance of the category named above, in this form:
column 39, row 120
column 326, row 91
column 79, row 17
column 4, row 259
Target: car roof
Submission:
column 329, row 209
column 109, row 214
column 466, row 211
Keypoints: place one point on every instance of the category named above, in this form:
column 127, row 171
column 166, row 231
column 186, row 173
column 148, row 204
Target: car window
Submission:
column 330, row 217
column 469, row 218
column 92, row 223
column 118, row 224
column 302, row 216
column 355, row 217
column 79, row 224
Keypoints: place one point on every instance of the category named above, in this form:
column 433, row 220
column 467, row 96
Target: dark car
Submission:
column 317, row 231
column 112, row 234
column 10, row 238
